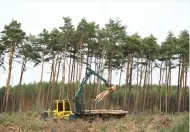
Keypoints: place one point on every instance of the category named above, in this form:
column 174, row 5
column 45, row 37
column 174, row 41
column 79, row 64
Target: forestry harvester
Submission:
column 61, row 109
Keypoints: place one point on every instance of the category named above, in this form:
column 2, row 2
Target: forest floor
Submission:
column 30, row 122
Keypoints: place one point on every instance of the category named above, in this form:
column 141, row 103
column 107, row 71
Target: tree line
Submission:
column 108, row 48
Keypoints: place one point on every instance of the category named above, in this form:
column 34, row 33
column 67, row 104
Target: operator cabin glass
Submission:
column 60, row 106
column 67, row 107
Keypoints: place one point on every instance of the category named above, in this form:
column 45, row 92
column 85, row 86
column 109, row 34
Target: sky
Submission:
column 145, row 17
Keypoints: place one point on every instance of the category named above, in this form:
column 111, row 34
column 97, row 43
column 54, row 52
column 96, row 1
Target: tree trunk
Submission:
column 79, row 69
column 131, row 72
column 20, row 83
column 109, row 70
column 169, row 85
column 58, row 71
column 62, row 91
column 77, row 74
column 140, row 85
column 146, row 99
column 166, row 82
column 127, row 82
column 130, row 81
column 96, row 81
column 179, row 71
column 41, row 85
column 161, row 80
column 144, row 86
column 6, row 96
column 69, row 73
column 180, row 86
column 151, row 96
column 80, row 72
column 186, row 88
column 135, row 109
column 98, row 85
column 72, row 71
column 49, row 86
column 120, row 77
column 54, row 86
column 110, row 102
column 149, row 77
column 73, row 82
column 94, row 84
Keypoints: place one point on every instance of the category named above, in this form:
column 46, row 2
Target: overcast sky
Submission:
column 145, row 17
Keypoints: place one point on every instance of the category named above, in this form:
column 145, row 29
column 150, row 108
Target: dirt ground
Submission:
column 131, row 123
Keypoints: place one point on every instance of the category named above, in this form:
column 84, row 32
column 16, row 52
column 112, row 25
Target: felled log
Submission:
column 103, row 111
column 105, row 93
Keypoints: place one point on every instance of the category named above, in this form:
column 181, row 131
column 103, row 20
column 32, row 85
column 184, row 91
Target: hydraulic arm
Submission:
column 79, row 106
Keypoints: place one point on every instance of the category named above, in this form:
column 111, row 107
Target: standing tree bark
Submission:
column 6, row 98
column 62, row 90
column 130, row 80
column 137, row 87
column 144, row 85
column 127, row 82
column 186, row 88
column 20, row 83
column 166, row 82
column 180, row 86
column 41, row 92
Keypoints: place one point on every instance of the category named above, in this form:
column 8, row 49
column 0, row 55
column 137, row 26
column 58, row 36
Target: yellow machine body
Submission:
column 60, row 109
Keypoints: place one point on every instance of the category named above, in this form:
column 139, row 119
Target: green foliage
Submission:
column 150, row 47
column 183, row 43
column 103, row 129
column 180, row 124
column 2, row 57
column 12, row 34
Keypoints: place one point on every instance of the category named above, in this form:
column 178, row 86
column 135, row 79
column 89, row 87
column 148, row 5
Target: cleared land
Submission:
column 29, row 122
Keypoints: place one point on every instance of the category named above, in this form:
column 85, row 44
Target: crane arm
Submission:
column 88, row 74
column 79, row 94
column 96, row 74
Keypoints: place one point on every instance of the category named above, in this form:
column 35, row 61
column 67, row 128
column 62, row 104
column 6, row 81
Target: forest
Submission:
column 106, row 49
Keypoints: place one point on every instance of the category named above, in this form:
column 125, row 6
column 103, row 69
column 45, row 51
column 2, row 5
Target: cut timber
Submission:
column 104, row 114
column 114, row 112
column 105, row 93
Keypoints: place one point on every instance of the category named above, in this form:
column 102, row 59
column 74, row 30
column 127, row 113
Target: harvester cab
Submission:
column 60, row 109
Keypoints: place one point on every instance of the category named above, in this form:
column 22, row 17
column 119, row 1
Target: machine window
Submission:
column 67, row 107
column 60, row 106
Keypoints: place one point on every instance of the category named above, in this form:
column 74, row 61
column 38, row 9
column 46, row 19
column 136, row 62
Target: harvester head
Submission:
column 105, row 93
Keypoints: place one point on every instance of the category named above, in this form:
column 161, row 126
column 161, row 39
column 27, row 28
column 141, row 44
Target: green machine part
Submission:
column 79, row 107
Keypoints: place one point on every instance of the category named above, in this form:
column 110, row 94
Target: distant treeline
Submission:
column 154, row 101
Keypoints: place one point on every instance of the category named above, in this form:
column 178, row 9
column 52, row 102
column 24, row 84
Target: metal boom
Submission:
column 78, row 97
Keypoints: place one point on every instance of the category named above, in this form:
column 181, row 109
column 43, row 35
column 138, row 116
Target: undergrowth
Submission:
column 27, row 122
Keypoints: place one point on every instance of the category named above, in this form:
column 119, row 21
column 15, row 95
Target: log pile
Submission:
column 114, row 112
